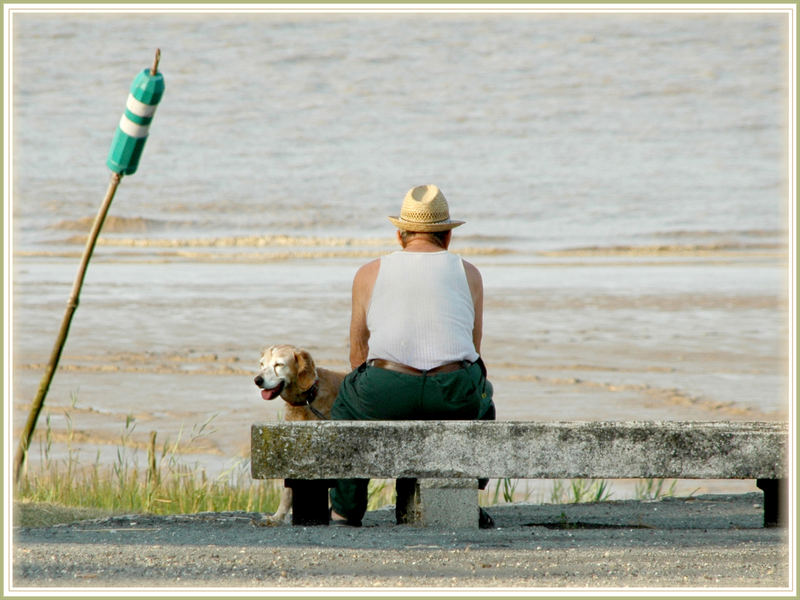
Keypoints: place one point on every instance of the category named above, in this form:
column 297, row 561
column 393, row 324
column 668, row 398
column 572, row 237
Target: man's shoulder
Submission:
column 369, row 270
column 470, row 268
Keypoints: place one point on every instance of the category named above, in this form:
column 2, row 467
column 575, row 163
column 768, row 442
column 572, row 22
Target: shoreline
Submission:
column 700, row 542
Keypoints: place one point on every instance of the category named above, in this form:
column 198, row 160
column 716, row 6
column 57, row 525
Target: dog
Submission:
column 308, row 391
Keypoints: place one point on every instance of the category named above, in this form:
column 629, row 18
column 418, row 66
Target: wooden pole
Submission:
column 72, row 304
column 156, row 60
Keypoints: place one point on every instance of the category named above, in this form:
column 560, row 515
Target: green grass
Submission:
column 653, row 489
column 63, row 491
column 573, row 491
column 580, row 490
column 164, row 486
column 505, row 490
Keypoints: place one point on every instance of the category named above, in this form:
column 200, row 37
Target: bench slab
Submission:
column 519, row 449
column 311, row 455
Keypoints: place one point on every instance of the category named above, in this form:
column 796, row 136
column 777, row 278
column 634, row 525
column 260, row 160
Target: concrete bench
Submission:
column 447, row 457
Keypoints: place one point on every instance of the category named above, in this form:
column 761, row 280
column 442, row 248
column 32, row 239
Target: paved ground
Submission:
column 703, row 542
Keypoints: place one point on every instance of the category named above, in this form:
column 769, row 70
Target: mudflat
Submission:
column 711, row 541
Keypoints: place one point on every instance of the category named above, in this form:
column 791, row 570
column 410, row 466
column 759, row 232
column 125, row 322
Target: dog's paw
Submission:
column 270, row 521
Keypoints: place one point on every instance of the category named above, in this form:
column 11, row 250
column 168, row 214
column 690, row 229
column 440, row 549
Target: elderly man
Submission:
column 415, row 337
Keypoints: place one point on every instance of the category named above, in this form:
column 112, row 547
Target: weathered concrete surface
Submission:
column 445, row 503
column 525, row 450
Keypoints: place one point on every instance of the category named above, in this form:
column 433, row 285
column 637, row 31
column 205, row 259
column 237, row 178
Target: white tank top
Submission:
column 421, row 312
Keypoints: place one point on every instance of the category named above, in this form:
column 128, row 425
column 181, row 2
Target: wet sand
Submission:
column 595, row 334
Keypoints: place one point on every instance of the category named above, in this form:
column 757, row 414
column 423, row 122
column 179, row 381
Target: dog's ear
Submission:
column 306, row 371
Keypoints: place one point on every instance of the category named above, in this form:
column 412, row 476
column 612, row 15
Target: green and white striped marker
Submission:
column 128, row 143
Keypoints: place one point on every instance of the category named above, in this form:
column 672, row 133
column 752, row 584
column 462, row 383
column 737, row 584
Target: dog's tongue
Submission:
column 270, row 394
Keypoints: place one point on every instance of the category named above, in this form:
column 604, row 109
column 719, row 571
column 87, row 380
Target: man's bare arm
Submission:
column 476, row 289
column 363, row 283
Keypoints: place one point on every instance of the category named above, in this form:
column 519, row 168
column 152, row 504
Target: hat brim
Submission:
column 425, row 227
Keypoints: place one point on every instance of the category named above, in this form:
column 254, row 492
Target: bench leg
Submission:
column 407, row 503
column 775, row 501
column 444, row 503
column 309, row 501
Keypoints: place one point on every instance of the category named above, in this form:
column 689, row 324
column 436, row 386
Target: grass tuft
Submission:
column 165, row 486
column 580, row 490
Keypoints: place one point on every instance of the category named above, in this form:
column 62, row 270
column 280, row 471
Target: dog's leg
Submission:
column 283, row 509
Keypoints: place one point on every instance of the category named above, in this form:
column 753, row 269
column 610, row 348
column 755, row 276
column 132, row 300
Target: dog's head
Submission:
column 285, row 371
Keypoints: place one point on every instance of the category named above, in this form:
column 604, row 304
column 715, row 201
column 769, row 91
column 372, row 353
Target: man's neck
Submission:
column 422, row 245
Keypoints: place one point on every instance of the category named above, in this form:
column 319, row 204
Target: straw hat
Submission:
column 425, row 209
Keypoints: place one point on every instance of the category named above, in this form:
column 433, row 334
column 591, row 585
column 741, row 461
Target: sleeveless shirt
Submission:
column 421, row 312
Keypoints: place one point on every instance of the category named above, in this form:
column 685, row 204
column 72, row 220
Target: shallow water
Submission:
column 623, row 179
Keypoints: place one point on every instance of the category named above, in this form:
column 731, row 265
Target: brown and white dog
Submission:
column 308, row 391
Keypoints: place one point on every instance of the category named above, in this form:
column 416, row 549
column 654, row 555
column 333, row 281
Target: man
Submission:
column 415, row 337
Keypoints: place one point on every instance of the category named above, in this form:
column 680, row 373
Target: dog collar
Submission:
column 308, row 397
column 311, row 393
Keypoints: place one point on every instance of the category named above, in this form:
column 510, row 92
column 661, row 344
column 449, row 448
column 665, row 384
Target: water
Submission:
column 623, row 178
column 558, row 130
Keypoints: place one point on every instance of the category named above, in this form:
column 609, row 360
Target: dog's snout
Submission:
column 259, row 380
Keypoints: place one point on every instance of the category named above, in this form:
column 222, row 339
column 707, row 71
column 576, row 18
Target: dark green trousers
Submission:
column 374, row 394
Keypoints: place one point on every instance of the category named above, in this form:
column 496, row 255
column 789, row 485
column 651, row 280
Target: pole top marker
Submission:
column 134, row 126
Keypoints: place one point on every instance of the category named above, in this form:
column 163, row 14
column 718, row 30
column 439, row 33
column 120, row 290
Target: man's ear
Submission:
column 447, row 239
column 306, row 371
